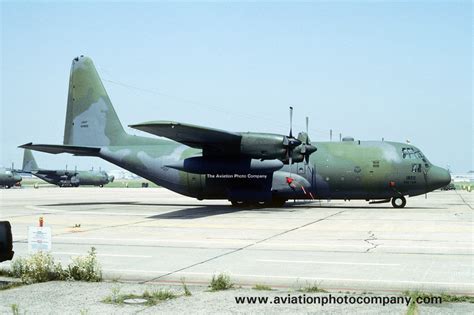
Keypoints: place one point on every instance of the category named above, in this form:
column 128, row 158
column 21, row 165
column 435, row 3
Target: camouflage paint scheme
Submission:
column 338, row 170
column 64, row 178
column 9, row 178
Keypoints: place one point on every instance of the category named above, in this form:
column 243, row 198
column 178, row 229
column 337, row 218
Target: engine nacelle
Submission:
column 264, row 146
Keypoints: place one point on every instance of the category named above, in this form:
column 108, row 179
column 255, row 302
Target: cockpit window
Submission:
column 409, row 153
column 413, row 154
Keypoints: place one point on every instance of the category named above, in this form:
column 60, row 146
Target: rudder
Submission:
column 29, row 162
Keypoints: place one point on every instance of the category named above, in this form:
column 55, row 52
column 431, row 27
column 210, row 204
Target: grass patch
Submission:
column 413, row 306
column 85, row 268
column 15, row 309
column 445, row 298
column 262, row 287
column 221, row 282
column 5, row 272
column 152, row 298
column 41, row 267
column 312, row 288
column 186, row 290
column 10, row 285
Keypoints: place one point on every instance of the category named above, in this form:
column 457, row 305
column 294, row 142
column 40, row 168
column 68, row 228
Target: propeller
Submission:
column 306, row 148
column 289, row 141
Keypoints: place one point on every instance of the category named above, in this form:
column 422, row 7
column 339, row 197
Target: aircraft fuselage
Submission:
column 338, row 170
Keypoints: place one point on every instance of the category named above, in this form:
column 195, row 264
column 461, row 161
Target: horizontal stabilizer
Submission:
column 55, row 149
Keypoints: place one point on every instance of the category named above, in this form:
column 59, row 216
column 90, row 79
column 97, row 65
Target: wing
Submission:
column 211, row 141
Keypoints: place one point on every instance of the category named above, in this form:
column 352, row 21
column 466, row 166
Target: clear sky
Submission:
column 365, row 69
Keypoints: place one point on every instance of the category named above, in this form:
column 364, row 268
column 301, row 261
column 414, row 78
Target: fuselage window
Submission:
column 416, row 168
column 375, row 163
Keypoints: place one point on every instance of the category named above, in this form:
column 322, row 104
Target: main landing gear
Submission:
column 399, row 202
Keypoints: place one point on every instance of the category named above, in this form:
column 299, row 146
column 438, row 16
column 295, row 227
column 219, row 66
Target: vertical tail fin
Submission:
column 90, row 118
column 29, row 162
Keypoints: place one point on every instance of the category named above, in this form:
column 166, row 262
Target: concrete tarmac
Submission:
column 153, row 235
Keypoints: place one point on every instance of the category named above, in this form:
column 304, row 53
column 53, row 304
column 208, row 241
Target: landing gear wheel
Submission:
column 239, row 203
column 399, row 202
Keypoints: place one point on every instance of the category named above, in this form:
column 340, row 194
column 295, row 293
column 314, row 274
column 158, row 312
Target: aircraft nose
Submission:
column 17, row 178
column 438, row 177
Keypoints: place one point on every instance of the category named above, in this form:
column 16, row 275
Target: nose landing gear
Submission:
column 399, row 202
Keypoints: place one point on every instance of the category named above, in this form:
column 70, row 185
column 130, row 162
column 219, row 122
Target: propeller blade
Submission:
column 291, row 122
column 307, row 128
column 307, row 131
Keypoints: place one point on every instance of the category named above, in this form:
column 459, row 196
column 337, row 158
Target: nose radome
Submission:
column 438, row 177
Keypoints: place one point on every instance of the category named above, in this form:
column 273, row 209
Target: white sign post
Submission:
column 39, row 239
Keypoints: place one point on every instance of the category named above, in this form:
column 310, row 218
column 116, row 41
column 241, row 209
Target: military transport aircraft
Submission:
column 243, row 167
column 64, row 178
column 9, row 178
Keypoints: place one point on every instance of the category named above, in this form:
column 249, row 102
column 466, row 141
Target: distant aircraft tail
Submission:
column 90, row 118
column 29, row 162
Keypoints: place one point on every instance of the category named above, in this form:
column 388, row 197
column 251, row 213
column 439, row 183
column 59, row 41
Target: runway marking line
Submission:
column 324, row 262
column 102, row 255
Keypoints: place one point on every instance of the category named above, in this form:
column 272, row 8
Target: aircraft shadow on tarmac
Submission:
column 200, row 211
column 191, row 212
column 111, row 203
column 212, row 210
